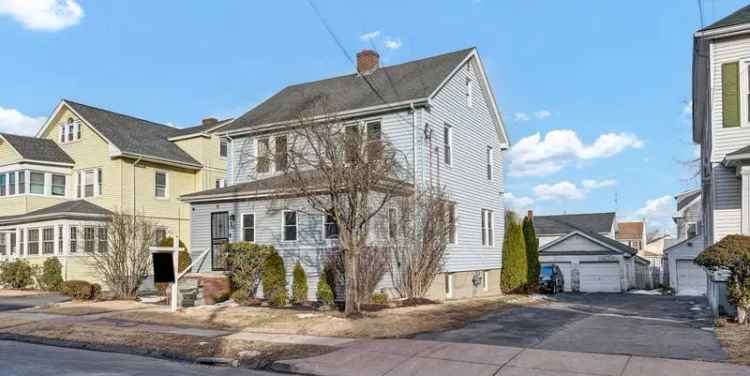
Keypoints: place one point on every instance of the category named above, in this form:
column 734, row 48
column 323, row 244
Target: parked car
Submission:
column 551, row 279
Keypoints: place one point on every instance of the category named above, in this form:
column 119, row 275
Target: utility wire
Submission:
column 700, row 11
column 346, row 53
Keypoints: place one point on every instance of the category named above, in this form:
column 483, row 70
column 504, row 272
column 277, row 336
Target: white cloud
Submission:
column 543, row 114
column 43, row 15
column 563, row 190
column 687, row 111
column 393, row 44
column 370, row 35
column 594, row 184
column 566, row 190
column 539, row 115
column 657, row 213
column 534, row 156
column 13, row 121
column 517, row 203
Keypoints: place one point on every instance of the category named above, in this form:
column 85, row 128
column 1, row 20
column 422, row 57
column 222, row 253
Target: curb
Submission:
column 121, row 349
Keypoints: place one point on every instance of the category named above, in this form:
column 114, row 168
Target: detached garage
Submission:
column 593, row 263
column 685, row 277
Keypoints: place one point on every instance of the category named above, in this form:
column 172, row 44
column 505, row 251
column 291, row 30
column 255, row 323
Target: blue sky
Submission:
column 603, row 84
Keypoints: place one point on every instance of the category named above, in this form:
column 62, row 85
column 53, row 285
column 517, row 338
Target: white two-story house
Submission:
column 440, row 112
column 721, row 125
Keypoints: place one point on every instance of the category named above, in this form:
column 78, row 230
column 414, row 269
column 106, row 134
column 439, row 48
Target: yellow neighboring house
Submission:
column 57, row 189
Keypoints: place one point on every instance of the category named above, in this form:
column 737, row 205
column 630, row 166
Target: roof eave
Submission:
column 151, row 158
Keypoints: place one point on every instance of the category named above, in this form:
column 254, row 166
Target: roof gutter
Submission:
column 343, row 115
column 150, row 158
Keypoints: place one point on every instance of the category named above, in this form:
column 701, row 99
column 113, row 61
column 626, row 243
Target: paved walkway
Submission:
column 430, row 358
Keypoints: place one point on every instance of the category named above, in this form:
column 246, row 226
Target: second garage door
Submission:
column 600, row 276
column 691, row 278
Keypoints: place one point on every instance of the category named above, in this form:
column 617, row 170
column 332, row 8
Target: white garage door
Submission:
column 600, row 276
column 691, row 279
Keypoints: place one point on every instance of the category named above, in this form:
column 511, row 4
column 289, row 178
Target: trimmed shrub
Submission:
column 245, row 261
column 515, row 272
column 325, row 292
column 532, row 255
column 274, row 280
column 80, row 290
column 51, row 275
column 379, row 298
column 299, row 284
column 16, row 274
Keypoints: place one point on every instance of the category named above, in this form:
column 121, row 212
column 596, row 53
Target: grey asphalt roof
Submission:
column 396, row 83
column 202, row 128
column 38, row 149
column 687, row 199
column 565, row 223
column 609, row 241
column 62, row 210
column 741, row 16
column 134, row 135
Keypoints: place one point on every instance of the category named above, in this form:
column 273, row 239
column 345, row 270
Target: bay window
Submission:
column 33, row 242
column 12, row 183
column 73, row 239
column 101, row 239
column 48, row 240
column 21, row 182
column 89, row 239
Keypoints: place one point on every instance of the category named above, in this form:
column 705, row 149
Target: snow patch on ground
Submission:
column 645, row 292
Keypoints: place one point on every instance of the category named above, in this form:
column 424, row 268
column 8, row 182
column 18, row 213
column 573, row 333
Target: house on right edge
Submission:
column 721, row 125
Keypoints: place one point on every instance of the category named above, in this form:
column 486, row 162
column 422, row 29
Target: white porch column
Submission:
column 744, row 173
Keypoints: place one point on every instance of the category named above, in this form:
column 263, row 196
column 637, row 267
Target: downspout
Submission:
column 134, row 171
column 414, row 142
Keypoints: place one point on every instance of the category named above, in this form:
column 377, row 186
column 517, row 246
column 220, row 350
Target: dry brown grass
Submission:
column 6, row 322
column 388, row 323
column 80, row 308
column 175, row 346
column 735, row 339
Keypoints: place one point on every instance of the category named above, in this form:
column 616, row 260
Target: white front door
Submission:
column 600, row 276
column 691, row 278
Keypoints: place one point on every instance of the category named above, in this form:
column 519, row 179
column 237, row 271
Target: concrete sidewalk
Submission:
column 429, row 358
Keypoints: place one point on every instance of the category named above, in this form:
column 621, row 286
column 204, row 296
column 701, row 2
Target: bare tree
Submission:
column 347, row 170
column 418, row 230
column 126, row 261
column 372, row 265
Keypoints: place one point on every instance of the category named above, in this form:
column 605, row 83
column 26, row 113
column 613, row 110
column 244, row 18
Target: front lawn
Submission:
column 735, row 339
column 391, row 322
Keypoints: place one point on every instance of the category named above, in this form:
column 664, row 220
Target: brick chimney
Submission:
column 209, row 121
column 367, row 62
column 530, row 214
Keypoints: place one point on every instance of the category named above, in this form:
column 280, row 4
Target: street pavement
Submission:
column 11, row 303
column 24, row 359
column 627, row 324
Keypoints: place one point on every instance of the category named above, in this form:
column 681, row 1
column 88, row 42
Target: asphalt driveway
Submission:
column 10, row 303
column 644, row 325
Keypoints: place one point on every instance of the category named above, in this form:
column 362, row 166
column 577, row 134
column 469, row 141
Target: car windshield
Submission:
column 546, row 272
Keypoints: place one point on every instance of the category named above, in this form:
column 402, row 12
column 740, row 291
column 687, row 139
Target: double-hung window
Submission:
column 3, row 184
column 33, row 241
column 289, row 225
column 58, row 185
column 160, row 233
column 3, row 244
column 374, row 140
column 36, row 183
column 280, row 153
column 21, row 182
column 352, row 140
column 89, row 239
column 488, row 235
column 101, row 239
column 223, row 148
column 12, row 183
column 248, row 227
column 73, row 239
column 60, row 234
column 448, row 144
column 160, row 184
column 48, row 240
column 490, row 161
column 330, row 227
column 72, row 130
column 89, row 183
column 262, row 158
